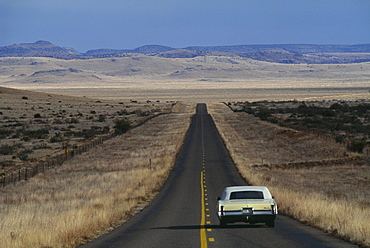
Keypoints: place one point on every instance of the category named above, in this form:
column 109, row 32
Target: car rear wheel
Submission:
column 270, row 223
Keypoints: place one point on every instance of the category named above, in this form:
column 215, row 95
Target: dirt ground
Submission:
column 36, row 125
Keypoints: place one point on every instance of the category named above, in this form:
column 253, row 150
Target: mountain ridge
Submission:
column 280, row 53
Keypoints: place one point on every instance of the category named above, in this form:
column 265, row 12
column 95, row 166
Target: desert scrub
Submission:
column 347, row 120
column 58, row 118
column 319, row 195
column 95, row 191
column 10, row 149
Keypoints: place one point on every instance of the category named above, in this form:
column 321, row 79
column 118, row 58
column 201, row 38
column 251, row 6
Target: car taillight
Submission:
column 273, row 209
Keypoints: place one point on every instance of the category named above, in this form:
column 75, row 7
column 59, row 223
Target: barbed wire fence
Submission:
column 28, row 172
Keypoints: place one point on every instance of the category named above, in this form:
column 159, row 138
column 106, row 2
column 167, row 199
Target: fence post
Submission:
column 55, row 160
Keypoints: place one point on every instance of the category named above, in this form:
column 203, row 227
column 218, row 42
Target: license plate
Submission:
column 247, row 211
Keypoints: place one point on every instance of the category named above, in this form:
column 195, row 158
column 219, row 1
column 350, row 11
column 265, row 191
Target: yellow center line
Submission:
column 203, row 236
column 204, row 198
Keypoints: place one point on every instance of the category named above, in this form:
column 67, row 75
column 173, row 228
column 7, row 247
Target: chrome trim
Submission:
column 238, row 212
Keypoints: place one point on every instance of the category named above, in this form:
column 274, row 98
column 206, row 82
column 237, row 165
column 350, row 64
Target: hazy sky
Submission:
column 126, row 24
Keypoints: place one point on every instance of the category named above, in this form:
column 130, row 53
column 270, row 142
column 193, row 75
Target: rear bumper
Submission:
column 238, row 216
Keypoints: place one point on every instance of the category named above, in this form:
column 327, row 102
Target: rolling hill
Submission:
column 279, row 53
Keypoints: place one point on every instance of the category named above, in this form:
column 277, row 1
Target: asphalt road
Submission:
column 184, row 214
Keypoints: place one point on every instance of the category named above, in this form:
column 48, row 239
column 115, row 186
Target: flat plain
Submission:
column 199, row 79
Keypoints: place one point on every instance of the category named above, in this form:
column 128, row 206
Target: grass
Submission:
column 329, row 195
column 96, row 191
column 46, row 124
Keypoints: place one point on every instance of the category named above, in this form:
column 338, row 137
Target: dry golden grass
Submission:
column 95, row 191
column 332, row 197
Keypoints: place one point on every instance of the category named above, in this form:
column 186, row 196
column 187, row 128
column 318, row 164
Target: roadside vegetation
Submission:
column 314, row 179
column 96, row 191
column 346, row 122
column 35, row 125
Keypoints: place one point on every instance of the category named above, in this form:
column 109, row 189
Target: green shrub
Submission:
column 89, row 133
column 357, row 145
column 123, row 112
column 101, row 118
column 121, row 126
column 23, row 155
column 7, row 149
column 35, row 134
column 5, row 133
column 264, row 114
column 106, row 129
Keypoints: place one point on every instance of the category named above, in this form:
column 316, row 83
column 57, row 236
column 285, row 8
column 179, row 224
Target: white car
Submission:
column 249, row 204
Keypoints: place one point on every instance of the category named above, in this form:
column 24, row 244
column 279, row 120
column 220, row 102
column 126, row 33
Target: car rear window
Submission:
column 246, row 195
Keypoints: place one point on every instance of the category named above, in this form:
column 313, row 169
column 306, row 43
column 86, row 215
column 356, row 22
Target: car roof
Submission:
column 241, row 188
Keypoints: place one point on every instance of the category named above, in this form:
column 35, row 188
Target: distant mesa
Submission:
column 279, row 53
column 152, row 49
column 181, row 53
column 143, row 49
column 38, row 49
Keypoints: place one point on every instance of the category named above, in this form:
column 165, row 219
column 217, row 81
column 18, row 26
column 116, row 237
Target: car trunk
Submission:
column 256, row 204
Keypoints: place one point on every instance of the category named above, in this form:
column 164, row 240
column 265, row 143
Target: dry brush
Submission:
column 95, row 191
